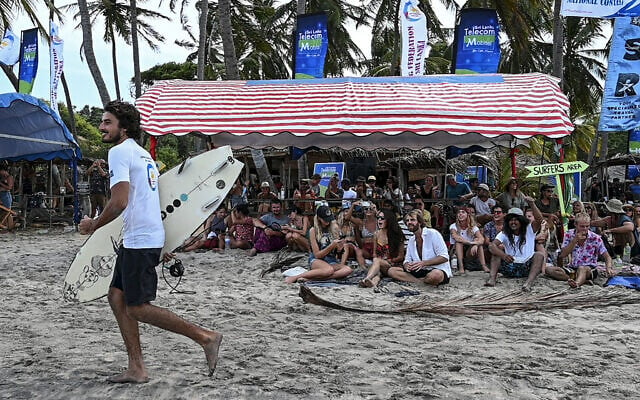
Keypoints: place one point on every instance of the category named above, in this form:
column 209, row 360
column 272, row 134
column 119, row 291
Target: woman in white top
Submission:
column 467, row 240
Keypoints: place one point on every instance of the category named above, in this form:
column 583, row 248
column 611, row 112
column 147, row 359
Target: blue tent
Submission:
column 30, row 130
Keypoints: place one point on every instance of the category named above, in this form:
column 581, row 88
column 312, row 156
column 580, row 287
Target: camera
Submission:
column 366, row 204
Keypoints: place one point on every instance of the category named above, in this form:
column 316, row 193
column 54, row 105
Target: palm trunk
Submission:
column 302, row 161
column 202, row 45
column 72, row 115
column 134, row 45
column 558, row 42
column 232, row 73
column 8, row 71
column 87, row 47
column 114, row 62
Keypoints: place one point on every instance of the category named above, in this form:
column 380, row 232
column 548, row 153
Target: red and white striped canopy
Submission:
column 433, row 111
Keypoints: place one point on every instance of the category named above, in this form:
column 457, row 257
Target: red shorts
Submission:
column 211, row 243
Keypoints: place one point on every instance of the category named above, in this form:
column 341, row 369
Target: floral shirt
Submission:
column 587, row 254
column 490, row 230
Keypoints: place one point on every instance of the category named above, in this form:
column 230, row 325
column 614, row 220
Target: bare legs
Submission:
column 433, row 278
column 380, row 265
column 534, row 271
column 322, row 270
column 128, row 318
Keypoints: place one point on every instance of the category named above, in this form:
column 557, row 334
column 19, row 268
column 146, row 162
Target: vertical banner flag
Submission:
column 56, row 63
column 28, row 60
column 621, row 99
column 9, row 48
column 414, row 38
column 476, row 42
column 601, row 8
column 634, row 148
column 312, row 43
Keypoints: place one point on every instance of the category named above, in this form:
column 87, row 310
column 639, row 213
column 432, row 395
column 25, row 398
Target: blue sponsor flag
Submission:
column 312, row 43
column 476, row 42
column 634, row 148
column 621, row 99
column 600, row 9
column 28, row 60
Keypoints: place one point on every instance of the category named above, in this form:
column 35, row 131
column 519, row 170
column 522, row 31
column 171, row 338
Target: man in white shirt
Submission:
column 427, row 258
column 483, row 204
column 348, row 195
column 514, row 249
column 134, row 193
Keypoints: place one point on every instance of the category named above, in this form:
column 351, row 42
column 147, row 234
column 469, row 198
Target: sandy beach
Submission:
column 277, row 347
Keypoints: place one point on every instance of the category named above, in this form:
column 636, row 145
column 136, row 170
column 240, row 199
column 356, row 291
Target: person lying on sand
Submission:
column 427, row 258
column 584, row 246
column 513, row 249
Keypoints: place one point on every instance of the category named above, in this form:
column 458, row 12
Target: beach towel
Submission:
column 632, row 281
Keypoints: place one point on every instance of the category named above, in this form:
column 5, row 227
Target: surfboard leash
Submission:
column 176, row 270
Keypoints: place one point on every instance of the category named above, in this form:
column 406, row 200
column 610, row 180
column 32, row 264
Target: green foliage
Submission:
column 171, row 149
column 618, row 143
column 88, row 135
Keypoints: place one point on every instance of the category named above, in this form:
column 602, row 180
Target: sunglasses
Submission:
column 497, row 212
column 588, row 208
column 380, row 217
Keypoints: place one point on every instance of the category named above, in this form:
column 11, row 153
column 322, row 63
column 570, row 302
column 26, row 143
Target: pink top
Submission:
column 587, row 254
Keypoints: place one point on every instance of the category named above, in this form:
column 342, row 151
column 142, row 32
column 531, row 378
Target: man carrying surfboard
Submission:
column 134, row 193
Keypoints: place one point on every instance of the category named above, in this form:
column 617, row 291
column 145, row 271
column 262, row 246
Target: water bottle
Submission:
column 617, row 263
column 626, row 253
column 454, row 262
column 227, row 242
column 282, row 193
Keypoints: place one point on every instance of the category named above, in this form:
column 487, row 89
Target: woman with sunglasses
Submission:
column 365, row 227
column 389, row 248
column 325, row 244
column 512, row 196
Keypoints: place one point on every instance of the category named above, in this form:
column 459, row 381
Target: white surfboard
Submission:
column 189, row 193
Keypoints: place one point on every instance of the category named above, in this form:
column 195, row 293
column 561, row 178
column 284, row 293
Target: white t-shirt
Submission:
column 347, row 196
column 128, row 162
column 527, row 249
column 482, row 207
column 433, row 245
column 464, row 233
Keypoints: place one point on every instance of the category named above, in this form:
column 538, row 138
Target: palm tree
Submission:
column 117, row 24
column 87, row 49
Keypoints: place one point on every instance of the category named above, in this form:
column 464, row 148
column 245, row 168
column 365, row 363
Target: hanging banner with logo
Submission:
column 56, row 65
column 312, row 43
column 28, row 60
column 413, row 24
column 600, row 8
column 9, row 48
column 476, row 42
column 621, row 99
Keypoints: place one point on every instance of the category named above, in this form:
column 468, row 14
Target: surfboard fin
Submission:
column 211, row 203
column 184, row 165
column 223, row 164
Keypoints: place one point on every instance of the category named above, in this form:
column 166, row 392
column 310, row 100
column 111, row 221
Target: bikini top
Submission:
column 366, row 233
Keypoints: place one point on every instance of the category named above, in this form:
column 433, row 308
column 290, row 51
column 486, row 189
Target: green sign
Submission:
column 556, row 169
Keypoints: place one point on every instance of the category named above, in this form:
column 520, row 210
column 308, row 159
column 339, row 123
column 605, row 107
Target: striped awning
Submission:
column 432, row 111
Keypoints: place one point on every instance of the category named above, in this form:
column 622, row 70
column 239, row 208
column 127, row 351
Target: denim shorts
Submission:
column 516, row 270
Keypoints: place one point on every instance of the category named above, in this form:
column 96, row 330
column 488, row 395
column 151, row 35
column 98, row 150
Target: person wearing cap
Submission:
column 371, row 190
column 459, row 192
column 483, row 204
column 584, row 247
column 264, row 198
column 325, row 240
column 549, row 205
column 514, row 249
column 619, row 225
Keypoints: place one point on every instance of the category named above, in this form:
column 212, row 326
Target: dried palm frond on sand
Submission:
column 498, row 303
column 282, row 258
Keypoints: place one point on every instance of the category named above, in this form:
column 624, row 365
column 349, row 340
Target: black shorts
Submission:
column 422, row 273
column 135, row 274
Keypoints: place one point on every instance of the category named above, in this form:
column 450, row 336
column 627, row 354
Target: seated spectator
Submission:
column 241, row 227
column 264, row 198
column 483, row 204
column 296, row 231
column 429, row 190
column 619, row 225
column 372, row 192
column 576, row 208
column 459, row 192
column 418, row 204
column 365, row 224
column 584, row 247
column 239, row 192
column 467, row 241
column 306, row 197
column 491, row 230
column 348, row 194
column 314, row 181
column 512, row 196
column 389, row 248
column 334, row 194
column 513, row 250
column 325, row 242
column 392, row 192
column 426, row 258
column 214, row 233
column 351, row 249
column 269, row 235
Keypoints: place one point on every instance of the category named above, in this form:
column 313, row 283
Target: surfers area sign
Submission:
column 600, row 8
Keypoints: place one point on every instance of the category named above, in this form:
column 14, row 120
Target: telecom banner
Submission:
column 312, row 43
column 9, row 48
column 621, row 99
column 413, row 24
column 600, row 8
column 477, row 45
column 56, row 65
column 634, row 148
column 28, row 60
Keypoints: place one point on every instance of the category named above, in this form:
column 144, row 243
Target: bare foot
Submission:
column 572, row 283
column 526, row 288
column 128, row 377
column 490, row 283
column 291, row 279
column 365, row 283
column 253, row 252
column 211, row 349
column 486, row 269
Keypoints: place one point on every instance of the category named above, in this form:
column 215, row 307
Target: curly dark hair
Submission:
column 395, row 237
column 128, row 117
column 524, row 223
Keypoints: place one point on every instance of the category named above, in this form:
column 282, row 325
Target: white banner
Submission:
column 600, row 8
column 414, row 38
column 57, row 62
column 9, row 48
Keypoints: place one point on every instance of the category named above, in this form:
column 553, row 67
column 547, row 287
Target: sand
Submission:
column 277, row 347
